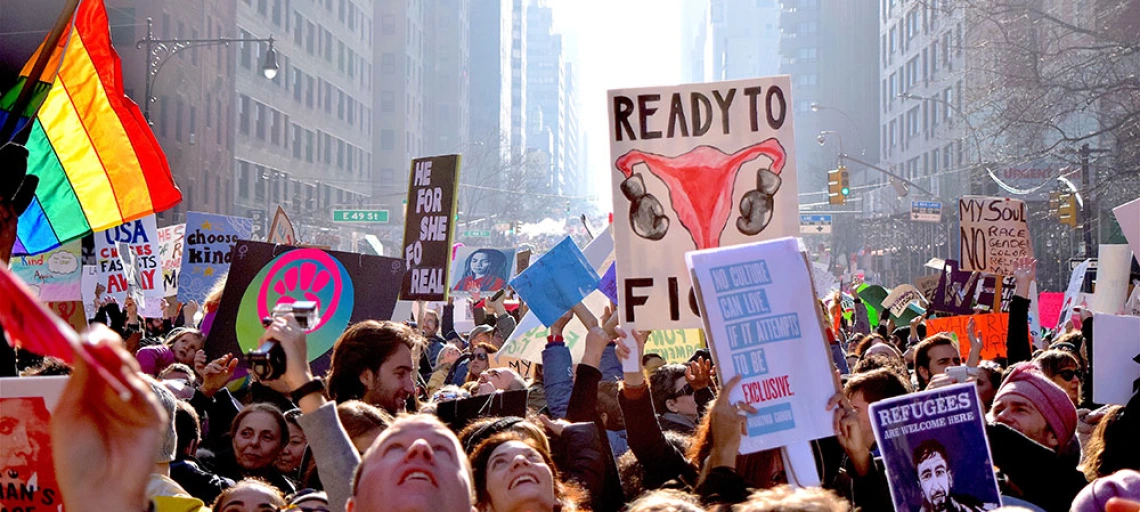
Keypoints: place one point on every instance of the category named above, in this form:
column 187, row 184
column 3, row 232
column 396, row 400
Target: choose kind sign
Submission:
column 695, row 167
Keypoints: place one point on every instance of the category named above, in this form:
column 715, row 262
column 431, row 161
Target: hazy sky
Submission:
column 615, row 44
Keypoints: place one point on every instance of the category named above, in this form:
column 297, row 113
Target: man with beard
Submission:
column 937, row 481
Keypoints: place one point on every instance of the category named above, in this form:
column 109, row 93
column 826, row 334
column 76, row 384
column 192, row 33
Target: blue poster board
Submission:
column 560, row 279
column 207, row 252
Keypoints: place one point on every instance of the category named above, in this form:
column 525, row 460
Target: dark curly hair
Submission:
column 365, row 346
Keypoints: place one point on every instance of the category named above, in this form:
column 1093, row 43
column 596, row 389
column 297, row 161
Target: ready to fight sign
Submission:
column 763, row 324
column 429, row 226
column 695, row 167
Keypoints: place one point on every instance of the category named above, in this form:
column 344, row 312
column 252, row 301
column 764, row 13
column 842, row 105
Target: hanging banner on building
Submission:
column 994, row 234
column 429, row 227
column 695, row 167
column 27, row 472
column 208, row 251
column 142, row 235
column 763, row 324
column 170, row 242
column 54, row 275
column 935, row 450
column 281, row 231
column 347, row 288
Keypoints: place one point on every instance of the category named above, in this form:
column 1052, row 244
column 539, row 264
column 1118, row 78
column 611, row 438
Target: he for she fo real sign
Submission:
column 429, row 227
column 695, row 167
column 995, row 234
column 763, row 324
column 142, row 236
column 935, row 450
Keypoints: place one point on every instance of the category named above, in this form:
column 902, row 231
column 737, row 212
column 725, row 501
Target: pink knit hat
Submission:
column 1121, row 484
column 1027, row 381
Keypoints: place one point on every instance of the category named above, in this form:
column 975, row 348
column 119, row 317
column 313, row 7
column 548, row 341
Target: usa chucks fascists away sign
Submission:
column 429, row 227
column 695, row 167
column 763, row 323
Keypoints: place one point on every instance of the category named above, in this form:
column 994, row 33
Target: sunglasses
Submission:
column 480, row 356
column 1068, row 374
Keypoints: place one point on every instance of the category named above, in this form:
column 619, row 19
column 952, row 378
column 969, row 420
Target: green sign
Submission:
column 477, row 234
column 380, row 216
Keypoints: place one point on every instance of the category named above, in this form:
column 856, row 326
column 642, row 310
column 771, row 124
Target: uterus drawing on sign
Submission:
column 701, row 184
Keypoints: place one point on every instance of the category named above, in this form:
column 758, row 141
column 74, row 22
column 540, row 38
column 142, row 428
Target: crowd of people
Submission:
column 365, row 436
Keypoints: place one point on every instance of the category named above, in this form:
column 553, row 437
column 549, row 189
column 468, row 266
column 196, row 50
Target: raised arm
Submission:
column 1017, row 336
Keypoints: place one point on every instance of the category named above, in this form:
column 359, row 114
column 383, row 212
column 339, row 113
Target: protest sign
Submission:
column 428, row 229
column 1114, row 264
column 994, row 234
column 208, row 251
column 927, row 285
column 1128, row 216
column 142, row 235
column 824, row 281
column 347, row 288
column 71, row 312
column 901, row 297
column 524, row 368
column 481, row 269
column 1116, row 358
column 935, row 450
column 993, row 329
column 763, row 324
column 558, row 281
column 170, row 242
column 27, row 473
column 962, row 292
column 695, row 166
column 90, row 287
column 1073, row 292
column 872, row 296
column 529, row 337
column 1049, row 306
column 608, row 283
column 676, row 346
column 129, row 260
column 55, row 275
column 281, row 231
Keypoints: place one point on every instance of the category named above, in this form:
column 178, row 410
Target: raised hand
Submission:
column 217, row 373
column 699, row 374
column 93, row 426
column 727, row 426
column 288, row 333
column 557, row 328
column 1024, row 272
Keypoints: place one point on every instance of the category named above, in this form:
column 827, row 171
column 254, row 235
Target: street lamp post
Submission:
column 159, row 52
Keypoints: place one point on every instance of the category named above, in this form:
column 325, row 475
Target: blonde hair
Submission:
column 785, row 498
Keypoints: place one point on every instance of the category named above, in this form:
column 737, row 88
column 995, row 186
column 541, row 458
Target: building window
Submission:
column 277, row 12
column 298, row 29
column 807, row 54
column 387, row 140
column 261, row 120
column 178, row 120
column 388, row 63
column 297, row 84
column 310, row 34
column 246, row 49
column 243, row 180
column 310, row 84
column 309, row 146
column 275, row 129
column 297, row 142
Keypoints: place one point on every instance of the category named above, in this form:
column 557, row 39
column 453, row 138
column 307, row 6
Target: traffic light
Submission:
column 1054, row 204
column 844, row 182
column 1067, row 210
column 836, row 186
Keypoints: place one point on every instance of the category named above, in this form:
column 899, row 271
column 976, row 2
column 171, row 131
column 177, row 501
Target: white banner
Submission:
column 695, row 166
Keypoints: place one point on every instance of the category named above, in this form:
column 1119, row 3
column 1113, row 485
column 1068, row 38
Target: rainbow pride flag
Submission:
column 98, row 162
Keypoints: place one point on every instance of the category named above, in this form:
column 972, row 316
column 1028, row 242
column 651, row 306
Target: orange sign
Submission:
column 992, row 329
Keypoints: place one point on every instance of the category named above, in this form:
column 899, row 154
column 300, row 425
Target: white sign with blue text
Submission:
column 763, row 324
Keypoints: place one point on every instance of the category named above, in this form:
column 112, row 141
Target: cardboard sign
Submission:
column 208, row 251
column 608, row 284
column 429, row 227
column 558, row 281
column 71, row 312
column 521, row 366
column 529, row 337
column 170, row 242
column 482, row 269
column 1049, row 307
column 1114, row 263
column 1073, row 292
column 27, row 473
column 90, row 288
column 347, row 288
column 928, row 285
column 695, row 167
column 1116, row 359
column 676, row 346
column 993, row 329
column 129, row 259
column 763, row 324
column 55, row 275
column 935, row 450
column 142, row 235
column 281, row 231
column 994, row 234
column 1128, row 216
column 824, row 281
column 901, row 297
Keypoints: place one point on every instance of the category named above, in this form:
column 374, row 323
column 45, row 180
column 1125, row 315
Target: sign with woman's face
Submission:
column 482, row 270
column 25, row 452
